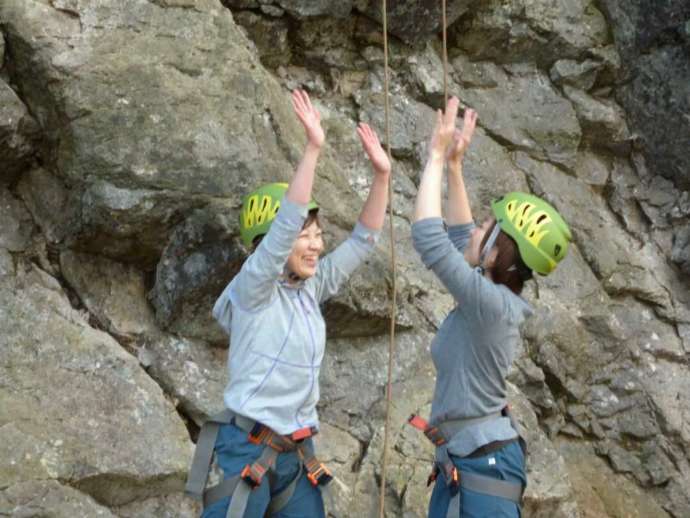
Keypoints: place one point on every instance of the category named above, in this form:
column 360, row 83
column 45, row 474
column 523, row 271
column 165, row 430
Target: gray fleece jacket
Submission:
column 277, row 332
column 475, row 345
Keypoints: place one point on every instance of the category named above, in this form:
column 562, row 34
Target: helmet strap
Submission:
column 489, row 244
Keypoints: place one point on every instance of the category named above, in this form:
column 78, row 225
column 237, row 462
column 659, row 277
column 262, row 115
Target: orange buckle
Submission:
column 316, row 476
column 252, row 475
column 418, row 422
column 454, row 477
column 435, row 436
column 260, row 434
column 302, row 433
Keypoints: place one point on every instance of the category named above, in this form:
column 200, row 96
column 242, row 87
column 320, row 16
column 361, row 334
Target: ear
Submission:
column 490, row 259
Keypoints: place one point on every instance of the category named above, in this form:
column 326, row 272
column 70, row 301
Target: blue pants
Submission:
column 508, row 463
column 234, row 452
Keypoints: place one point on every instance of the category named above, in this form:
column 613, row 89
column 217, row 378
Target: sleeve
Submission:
column 336, row 267
column 255, row 284
column 460, row 235
column 466, row 284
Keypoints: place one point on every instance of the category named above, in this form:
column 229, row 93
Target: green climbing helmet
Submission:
column 538, row 229
column 259, row 209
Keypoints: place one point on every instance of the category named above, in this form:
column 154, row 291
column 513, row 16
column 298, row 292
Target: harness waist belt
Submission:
column 452, row 427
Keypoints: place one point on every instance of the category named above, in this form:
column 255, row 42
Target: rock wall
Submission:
column 129, row 132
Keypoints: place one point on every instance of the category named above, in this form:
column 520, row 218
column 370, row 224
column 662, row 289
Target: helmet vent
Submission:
column 541, row 218
column 527, row 207
column 557, row 250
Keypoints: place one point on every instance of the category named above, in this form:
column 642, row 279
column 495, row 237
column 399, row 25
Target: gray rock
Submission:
column 341, row 453
column 643, row 331
column 18, row 132
column 190, row 371
column 202, row 256
column 176, row 505
column 603, row 122
column 269, row 36
column 426, row 69
column 592, row 169
column 112, row 433
column 49, row 498
column 624, row 265
column 6, row 264
column 579, row 75
column 523, row 30
column 150, row 127
column 52, row 205
column 524, row 112
column 113, row 292
column 680, row 254
column 476, row 74
column 411, row 122
column 304, row 8
column 599, row 491
column 416, row 21
column 17, row 226
column 650, row 38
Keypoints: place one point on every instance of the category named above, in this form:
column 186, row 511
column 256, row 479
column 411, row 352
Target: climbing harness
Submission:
column 455, row 479
column 239, row 487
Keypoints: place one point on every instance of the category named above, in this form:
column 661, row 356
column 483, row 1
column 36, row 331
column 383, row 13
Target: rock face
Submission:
column 129, row 132
column 72, row 399
column 653, row 39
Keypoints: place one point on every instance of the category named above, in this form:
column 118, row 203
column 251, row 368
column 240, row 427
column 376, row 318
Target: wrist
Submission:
column 313, row 147
column 436, row 155
column 382, row 174
column 455, row 167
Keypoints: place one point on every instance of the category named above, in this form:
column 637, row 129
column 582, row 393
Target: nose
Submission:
column 315, row 244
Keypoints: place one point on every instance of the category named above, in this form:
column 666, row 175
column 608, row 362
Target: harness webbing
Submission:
column 239, row 487
column 455, row 479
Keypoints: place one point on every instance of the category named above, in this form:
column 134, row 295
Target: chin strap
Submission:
column 489, row 245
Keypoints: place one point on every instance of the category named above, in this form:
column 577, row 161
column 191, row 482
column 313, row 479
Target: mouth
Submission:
column 310, row 261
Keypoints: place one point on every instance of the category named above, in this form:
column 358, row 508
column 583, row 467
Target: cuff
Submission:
column 365, row 234
column 293, row 213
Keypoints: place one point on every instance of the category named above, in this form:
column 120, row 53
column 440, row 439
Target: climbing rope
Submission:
column 445, row 55
column 391, row 345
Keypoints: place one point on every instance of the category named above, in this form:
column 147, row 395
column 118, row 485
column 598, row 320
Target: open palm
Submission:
column 309, row 117
column 462, row 138
column 372, row 147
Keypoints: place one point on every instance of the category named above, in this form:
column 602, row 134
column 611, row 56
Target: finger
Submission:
column 297, row 101
column 307, row 101
column 451, row 110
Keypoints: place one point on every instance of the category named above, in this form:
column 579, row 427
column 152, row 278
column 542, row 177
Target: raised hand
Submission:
column 444, row 128
column 309, row 117
column 462, row 138
column 372, row 146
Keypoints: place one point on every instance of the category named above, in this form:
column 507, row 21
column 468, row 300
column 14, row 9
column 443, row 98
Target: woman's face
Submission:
column 473, row 248
column 306, row 251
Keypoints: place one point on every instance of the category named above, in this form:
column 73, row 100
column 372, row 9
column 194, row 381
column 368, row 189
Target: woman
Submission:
column 479, row 456
column 271, row 311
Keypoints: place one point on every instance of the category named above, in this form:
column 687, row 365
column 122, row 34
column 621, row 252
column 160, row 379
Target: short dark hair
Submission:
column 508, row 256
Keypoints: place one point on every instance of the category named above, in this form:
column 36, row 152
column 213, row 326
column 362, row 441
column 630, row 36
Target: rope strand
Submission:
column 445, row 54
column 391, row 345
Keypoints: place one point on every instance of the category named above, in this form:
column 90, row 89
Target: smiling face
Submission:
column 308, row 246
column 474, row 247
